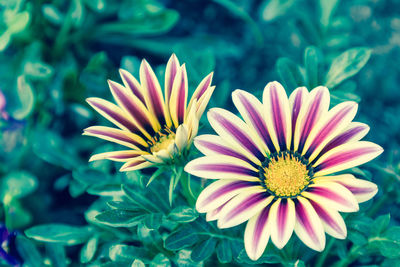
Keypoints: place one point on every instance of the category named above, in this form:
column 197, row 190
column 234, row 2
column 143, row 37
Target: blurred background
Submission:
column 55, row 54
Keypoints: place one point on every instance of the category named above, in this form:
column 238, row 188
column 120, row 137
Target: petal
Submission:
column 362, row 190
column 277, row 115
column 178, row 100
column 201, row 89
column 153, row 158
column 136, row 164
column 113, row 113
column 122, row 156
column 214, row 145
column 354, row 132
column 236, row 132
column 243, row 206
column 152, row 93
column 219, row 192
column 170, row 74
column 257, row 234
column 297, row 100
column 282, row 224
column 332, row 195
column 181, row 138
column 313, row 109
column 327, row 128
column 222, row 167
column 214, row 214
column 121, row 137
column 331, row 220
column 202, row 102
column 346, row 156
column 252, row 112
column 308, row 226
column 132, row 105
column 192, row 123
column 131, row 83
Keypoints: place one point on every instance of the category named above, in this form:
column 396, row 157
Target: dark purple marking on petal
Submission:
column 358, row 190
column 304, row 220
column 328, row 129
column 342, row 157
column 326, row 217
column 228, row 188
column 173, row 72
column 135, row 90
column 181, row 102
column 282, row 215
column 225, row 168
column 155, row 97
column 114, row 135
column 258, row 122
column 240, row 136
column 340, row 140
column 246, row 204
column 260, row 225
column 310, row 119
column 204, row 87
column 277, row 115
column 298, row 100
column 328, row 194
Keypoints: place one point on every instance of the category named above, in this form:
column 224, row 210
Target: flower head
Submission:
column 155, row 128
column 8, row 250
column 275, row 168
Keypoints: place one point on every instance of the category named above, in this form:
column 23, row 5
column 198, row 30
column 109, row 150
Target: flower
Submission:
column 156, row 129
column 275, row 169
column 8, row 250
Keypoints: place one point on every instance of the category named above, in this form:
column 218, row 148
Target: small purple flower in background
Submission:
column 276, row 167
column 3, row 113
column 8, row 251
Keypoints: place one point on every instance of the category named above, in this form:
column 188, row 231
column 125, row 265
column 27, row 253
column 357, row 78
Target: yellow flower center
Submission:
column 163, row 142
column 286, row 176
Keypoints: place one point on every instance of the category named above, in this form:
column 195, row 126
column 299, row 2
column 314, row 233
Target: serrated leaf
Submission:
column 59, row 233
column 120, row 218
column 183, row 237
column 204, row 249
column 183, row 214
column 346, row 65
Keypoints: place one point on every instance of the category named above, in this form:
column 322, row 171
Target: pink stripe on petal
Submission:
column 297, row 100
column 131, row 83
column 214, row 214
column 283, row 212
column 278, row 116
column 136, row 164
column 331, row 219
column 117, row 136
column 170, row 73
column 182, row 97
column 203, row 86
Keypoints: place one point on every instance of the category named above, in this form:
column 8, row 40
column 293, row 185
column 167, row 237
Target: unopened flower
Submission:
column 156, row 128
column 276, row 168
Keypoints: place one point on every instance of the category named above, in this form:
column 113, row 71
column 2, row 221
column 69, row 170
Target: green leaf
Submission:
column 204, row 249
column 346, row 65
column 90, row 176
column 357, row 238
column 380, row 224
column 389, row 243
column 265, row 258
column 26, row 99
column 138, row 263
column 60, row 233
column 311, row 63
column 28, row 252
column 38, row 70
column 121, row 252
column 160, row 261
column 111, row 190
column 18, row 22
column 274, row 9
column 183, row 259
column 183, row 214
column 125, row 205
column 140, row 200
column 120, row 218
column 153, row 220
column 327, row 8
column 156, row 174
column 16, row 215
column 89, row 249
column 289, row 73
column 183, row 237
column 52, row 14
column 17, row 185
column 56, row 253
column 224, row 251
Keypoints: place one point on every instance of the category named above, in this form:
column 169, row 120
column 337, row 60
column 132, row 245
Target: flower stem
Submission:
column 322, row 257
column 187, row 191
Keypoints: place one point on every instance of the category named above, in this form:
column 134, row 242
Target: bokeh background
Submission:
column 55, row 54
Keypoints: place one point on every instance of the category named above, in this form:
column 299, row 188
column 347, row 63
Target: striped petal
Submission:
column 222, row 167
column 135, row 164
column 257, row 234
column 346, row 156
column 152, row 93
column 326, row 129
column 214, row 145
column 170, row 74
column 202, row 89
column 178, row 99
column 252, row 112
column 243, row 206
column 214, row 214
column 202, row 102
column 131, row 83
column 354, row 132
column 181, row 138
column 122, row 156
column 314, row 108
column 282, row 224
column 132, row 105
column 297, row 99
column 236, row 132
column 361, row 189
column 124, row 138
column 308, row 226
column 220, row 192
column 113, row 113
column 332, row 195
column 277, row 115
column 331, row 220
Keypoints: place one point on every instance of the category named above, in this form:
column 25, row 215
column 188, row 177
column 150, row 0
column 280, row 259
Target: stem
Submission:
column 350, row 257
column 377, row 205
column 187, row 191
column 321, row 259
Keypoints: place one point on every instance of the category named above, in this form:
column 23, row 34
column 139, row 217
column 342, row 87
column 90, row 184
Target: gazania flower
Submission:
column 155, row 128
column 276, row 168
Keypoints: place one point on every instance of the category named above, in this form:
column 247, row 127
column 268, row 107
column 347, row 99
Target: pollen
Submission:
column 163, row 142
column 286, row 176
